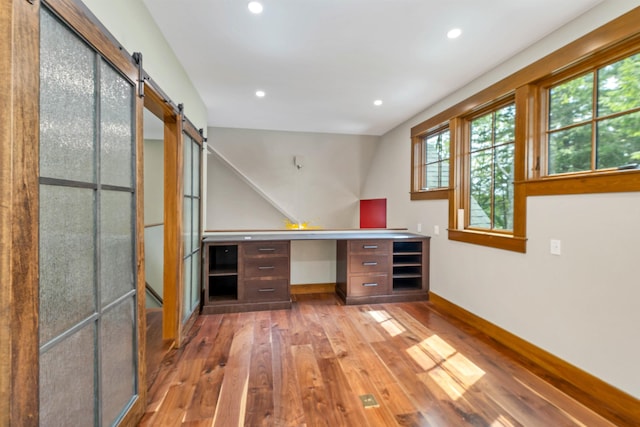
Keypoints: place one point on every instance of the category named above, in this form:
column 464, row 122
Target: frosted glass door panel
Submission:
column 186, row 300
column 67, row 383
column 116, row 245
column 195, row 225
column 116, row 131
column 196, row 169
column 188, row 161
column 67, row 104
column 195, row 280
column 67, row 258
column 118, row 373
column 186, row 225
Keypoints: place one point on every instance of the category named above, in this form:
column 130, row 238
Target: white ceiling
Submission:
column 322, row 63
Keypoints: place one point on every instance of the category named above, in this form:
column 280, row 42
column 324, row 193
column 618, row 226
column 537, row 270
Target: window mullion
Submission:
column 594, row 123
column 493, row 170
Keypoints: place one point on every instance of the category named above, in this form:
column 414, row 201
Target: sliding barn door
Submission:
column 88, row 296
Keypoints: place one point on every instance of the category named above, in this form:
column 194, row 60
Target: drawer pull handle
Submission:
column 370, row 263
column 270, row 267
column 370, row 246
column 267, row 290
column 369, row 285
column 266, row 249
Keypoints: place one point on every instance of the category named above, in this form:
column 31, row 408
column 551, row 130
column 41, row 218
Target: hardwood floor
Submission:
column 308, row 366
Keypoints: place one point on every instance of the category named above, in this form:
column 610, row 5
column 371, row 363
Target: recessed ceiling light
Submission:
column 377, row 102
column 255, row 7
column 260, row 93
column 454, row 33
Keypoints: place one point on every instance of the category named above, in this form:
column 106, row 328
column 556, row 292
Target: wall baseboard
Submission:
column 313, row 288
column 603, row 398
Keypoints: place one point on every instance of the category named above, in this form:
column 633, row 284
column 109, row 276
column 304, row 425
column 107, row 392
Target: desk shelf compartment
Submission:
column 408, row 263
column 222, row 281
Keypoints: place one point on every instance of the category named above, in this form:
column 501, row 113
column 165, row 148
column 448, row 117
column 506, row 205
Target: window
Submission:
column 593, row 120
column 436, row 160
column 431, row 160
column 491, row 166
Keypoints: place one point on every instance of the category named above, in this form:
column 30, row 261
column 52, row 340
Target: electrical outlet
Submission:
column 419, row 227
column 436, row 230
column 555, row 247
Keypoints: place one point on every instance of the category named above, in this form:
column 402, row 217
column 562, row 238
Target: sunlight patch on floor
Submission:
column 392, row 326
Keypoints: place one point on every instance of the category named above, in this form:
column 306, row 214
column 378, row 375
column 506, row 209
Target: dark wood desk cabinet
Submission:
column 385, row 270
column 246, row 276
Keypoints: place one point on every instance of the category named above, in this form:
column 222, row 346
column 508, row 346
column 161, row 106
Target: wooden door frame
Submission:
column 19, row 112
column 171, row 115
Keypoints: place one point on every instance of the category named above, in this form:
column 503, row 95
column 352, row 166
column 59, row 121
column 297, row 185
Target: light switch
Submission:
column 554, row 247
column 436, row 230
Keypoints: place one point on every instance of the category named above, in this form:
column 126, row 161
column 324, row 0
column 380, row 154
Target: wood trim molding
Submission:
column 497, row 241
column 19, row 160
column 313, row 288
column 610, row 402
column 440, row 194
column 606, row 182
column 6, row 205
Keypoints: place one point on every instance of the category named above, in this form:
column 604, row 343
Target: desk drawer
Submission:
column 371, row 246
column 275, row 248
column 370, row 284
column 266, row 290
column 275, row 266
column 369, row 264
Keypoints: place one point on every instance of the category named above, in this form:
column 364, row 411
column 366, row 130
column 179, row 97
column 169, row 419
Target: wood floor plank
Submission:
column 308, row 366
column 203, row 342
column 321, row 344
column 344, row 404
column 360, row 315
column 298, row 332
column 288, row 410
column 231, row 407
column 205, row 396
column 260, row 407
column 315, row 399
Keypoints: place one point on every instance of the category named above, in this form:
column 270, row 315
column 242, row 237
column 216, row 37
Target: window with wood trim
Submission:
column 491, row 147
column 431, row 160
column 593, row 120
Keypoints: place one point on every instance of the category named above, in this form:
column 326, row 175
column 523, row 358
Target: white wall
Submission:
column 325, row 192
column 581, row 306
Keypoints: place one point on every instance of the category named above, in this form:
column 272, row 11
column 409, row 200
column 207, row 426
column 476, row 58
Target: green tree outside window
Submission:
column 587, row 132
column 491, row 158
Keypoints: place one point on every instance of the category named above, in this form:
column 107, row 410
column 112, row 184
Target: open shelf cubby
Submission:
column 407, row 265
column 223, row 273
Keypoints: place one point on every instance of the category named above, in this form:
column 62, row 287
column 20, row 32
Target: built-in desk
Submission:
column 250, row 270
